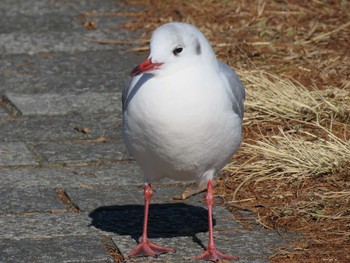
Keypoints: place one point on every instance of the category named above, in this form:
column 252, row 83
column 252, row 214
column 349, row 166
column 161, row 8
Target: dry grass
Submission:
column 293, row 57
column 290, row 155
column 271, row 98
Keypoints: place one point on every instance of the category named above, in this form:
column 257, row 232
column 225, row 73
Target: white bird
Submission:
column 182, row 118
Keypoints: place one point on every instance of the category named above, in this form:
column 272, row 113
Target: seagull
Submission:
column 182, row 119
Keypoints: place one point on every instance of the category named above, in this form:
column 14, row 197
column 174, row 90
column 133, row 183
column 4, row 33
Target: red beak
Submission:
column 144, row 67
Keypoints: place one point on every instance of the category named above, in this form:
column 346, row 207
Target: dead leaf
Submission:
column 83, row 130
column 90, row 25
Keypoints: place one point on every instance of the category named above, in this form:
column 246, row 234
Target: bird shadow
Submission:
column 165, row 220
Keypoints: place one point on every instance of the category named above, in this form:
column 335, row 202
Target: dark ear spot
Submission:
column 198, row 48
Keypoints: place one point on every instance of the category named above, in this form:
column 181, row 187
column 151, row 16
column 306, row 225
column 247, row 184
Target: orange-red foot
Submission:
column 148, row 249
column 211, row 254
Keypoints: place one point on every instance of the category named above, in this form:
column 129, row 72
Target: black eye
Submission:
column 177, row 50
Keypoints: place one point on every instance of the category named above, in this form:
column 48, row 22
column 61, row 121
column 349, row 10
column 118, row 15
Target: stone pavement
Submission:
column 69, row 191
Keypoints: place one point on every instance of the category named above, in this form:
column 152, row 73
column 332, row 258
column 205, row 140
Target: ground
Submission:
column 69, row 191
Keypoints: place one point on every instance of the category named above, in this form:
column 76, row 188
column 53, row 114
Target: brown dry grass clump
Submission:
column 294, row 60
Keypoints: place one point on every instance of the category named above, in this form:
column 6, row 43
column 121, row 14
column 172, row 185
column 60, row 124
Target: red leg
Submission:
column 146, row 248
column 211, row 254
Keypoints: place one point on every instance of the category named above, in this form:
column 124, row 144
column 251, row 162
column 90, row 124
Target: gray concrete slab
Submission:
column 16, row 154
column 250, row 246
column 94, row 71
column 35, row 24
column 106, row 26
column 60, row 128
column 22, row 43
column 3, row 113
column 29, row 200
column 68, row 7
column 89, row 199
column 165, row 219
column 45, row 225
column 187, row 247
column 112, row 175
column 62, row 104
column 57, row 249
column 30, row 36
column 82, row 153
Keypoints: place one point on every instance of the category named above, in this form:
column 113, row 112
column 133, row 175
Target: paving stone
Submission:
column 43, row 7
column 249, row 246
column 20, row 200
column 91, row 198
column 36, row 24
column 112, row 175
column 18, row 43
column 165, row 220
column 179, row 224
column 61, row 128
column 63, row 22
column 94, row 71
column 121, row 210
column 189, row 247
column 65, row 37
column 183, row 234
column 44, row 225
column 31, row 36
column 3, row 113
column 83, row 152
column 186, row 232
column 185, row 248
column 15, row 153
column 59, row 104
column 57, row 249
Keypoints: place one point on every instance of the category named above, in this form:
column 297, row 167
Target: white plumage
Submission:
column 183, row 120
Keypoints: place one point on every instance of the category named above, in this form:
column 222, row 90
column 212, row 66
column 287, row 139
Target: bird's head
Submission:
column 175, row 46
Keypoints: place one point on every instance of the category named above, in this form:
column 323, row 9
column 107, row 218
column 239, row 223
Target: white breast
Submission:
column 179, row 128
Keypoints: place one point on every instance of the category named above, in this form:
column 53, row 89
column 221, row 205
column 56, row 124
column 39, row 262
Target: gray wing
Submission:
column 235, row 88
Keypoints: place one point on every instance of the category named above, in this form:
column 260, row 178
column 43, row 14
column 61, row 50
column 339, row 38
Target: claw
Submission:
column 147, row 248
column 211, row 254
